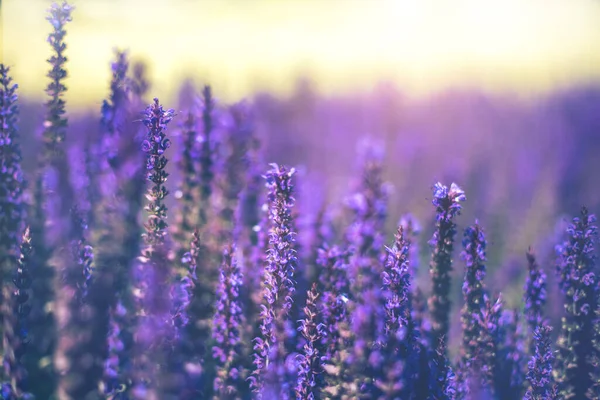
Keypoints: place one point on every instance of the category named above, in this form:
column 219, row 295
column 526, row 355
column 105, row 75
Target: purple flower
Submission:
column 447, row 205
column 56, row 124
column 310, row 380
column 11, row 176
column 412, row 229
column 535, row 293
column 576, row 268
column 540, row 378
column 15, row 321
column 534, row 297
column 477, row 373
column 335, row 316
column 396, row 283
column 75, row 317
column 442, row 381
column 227, row 328
column 154, row 330
column 113, row 380
column 474, row 292
column 234, row 162
column 401, row 351
column 114, row 109
column 187, row 193
column 279, row 286
column 365, row 235
column 53, row 199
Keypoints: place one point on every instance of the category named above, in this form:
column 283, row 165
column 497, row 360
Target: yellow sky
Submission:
column 527, row 46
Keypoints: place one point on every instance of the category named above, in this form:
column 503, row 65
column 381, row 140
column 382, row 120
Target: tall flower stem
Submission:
column 541, row 383
column 535, row 295
column 11, row 176
column 447, row 206
column 51, row 211
column 578, row 281
column 227, row 328
column 16, row 309
column 154, row 274
column 310, row 379
column 270, row 353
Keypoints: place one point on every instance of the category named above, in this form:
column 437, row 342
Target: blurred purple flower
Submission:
column 227, row 328
column 535, row 295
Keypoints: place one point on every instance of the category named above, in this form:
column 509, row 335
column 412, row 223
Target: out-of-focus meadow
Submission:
column 501, row 97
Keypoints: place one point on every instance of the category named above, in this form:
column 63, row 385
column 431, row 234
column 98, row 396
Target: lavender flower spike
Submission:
column 473, row 290
column 11, row 176
column 15, row 312
column 396, row 281
column 227, row 328
column 75, row 318
column 155, row 270
column 336, row 318
column 278, row 287
column 309, row 382
column 56, row 124
column 535, row 295
column 540, row 379
column 447, row 205
column 401, row 354
column 579, row 282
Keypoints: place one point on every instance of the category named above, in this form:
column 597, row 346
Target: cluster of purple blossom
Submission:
column 224, row 304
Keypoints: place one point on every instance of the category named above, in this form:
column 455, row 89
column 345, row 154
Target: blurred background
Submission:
column 500, row 96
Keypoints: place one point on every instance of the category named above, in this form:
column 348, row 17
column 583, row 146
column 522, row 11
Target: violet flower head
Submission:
column 53, row 196
column 412, row 229
column 279, row 285
column 155, row 145
column 75, row 316
column 473, row 289
column 442, row 380
column 155, row 327
column 114, row 110
column 366, row 235
column 535, row 294
column 181, row 294
column 396, row 282
column 447, row 205
column 541, row 382
column 186, row 194
column 484, row 347
column 56, row 124
column 401, row 351
column 595, row 358
column 310, row 379
column 11, row 176
column 227, row 328
column 139, row 81
column 15, row 312
column 238, row 137
column 578, row 281
column 369, row 208
column 335, row 316
column 113, row 381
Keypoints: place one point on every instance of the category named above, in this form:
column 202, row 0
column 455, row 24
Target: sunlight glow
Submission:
column 525, row 46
